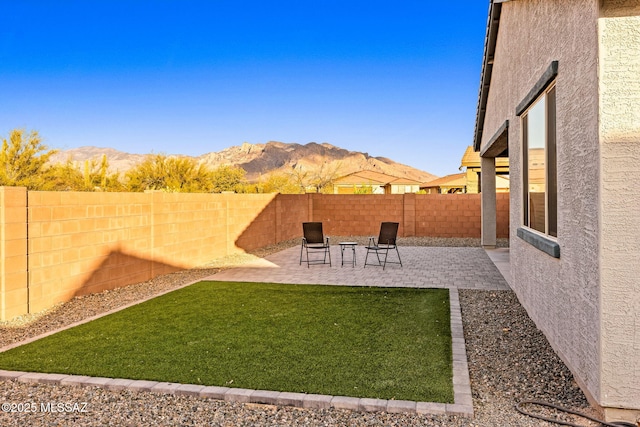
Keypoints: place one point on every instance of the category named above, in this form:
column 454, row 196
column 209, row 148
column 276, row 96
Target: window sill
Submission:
column 546, row 245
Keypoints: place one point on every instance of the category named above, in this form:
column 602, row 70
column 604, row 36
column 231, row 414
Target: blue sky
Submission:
column 394, row 79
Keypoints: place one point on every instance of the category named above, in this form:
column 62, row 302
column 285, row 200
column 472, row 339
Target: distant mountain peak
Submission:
column 262, row 159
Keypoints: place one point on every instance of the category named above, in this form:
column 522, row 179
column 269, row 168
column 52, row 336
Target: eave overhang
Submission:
column 491, row 37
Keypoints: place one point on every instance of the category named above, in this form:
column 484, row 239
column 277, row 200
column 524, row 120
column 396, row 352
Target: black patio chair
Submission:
column 386, row 242
column 314, row 241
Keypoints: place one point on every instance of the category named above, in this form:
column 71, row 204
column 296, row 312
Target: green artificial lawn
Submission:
column 387, row 343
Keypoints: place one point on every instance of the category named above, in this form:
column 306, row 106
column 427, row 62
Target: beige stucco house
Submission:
column 449, row 184
column 470, row 164
column 560, row 96
column 371, row 182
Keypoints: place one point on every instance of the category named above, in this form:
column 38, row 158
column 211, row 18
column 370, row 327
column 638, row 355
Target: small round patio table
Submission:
column 345, row 245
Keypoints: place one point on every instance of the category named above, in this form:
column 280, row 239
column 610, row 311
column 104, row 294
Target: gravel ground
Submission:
column 509, row 361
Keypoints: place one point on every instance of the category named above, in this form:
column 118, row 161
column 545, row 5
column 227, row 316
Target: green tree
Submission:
column 159, row 172
column 228, row 178
column 23, row 161
column 182, row 174
column 65, row 177
column 280, row 183
column 150, row 174
column 94, row 176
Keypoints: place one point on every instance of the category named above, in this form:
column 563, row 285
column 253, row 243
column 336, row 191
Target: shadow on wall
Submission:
column 118, row 268
column 281, row 219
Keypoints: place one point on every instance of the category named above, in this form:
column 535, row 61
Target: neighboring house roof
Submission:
column 404, row 181
column 471, row 159
column 454, row 180
column 373, row 178
column 369, row 177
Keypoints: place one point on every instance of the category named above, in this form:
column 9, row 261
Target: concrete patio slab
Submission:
column 423, row 267
column 501, row 259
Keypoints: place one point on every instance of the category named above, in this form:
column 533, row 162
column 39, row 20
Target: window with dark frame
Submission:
column 539, row 163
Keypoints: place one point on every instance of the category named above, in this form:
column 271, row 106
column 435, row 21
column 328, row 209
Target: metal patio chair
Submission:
column 386, row 242
column 314, row 241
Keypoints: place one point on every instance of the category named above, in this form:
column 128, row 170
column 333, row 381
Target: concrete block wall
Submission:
column 437, row 215
column 81, row 243
column 291, row 211
column 357, row 215
column 57, row 245
column 446, row 216
column 251, row 221
column 186, row 231
column 502, row 215
column 457, row 215
column 13, row 248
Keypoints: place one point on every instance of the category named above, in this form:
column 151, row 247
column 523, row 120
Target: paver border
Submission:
column 462, row 406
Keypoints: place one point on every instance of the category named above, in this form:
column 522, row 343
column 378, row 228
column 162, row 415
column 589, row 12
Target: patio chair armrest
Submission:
column 327, row 240
column 304, row 241
column 372, row 241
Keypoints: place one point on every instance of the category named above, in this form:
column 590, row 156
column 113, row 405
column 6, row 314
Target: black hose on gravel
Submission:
column 569, row 411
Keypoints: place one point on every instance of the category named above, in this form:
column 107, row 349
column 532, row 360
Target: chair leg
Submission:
column 386, row 254
column 377, row 256
column 382, row 262
column 305, row 250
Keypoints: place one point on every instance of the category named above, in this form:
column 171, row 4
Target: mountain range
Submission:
column 262, row 159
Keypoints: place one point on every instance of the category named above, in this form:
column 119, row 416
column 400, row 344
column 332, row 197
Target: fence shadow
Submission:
column 278, row 221
column 120, row 269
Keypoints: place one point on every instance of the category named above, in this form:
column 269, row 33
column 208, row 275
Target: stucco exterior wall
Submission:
column 561, row 295
column 619, row 70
